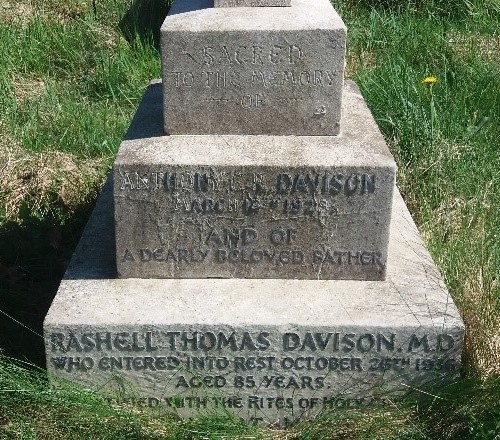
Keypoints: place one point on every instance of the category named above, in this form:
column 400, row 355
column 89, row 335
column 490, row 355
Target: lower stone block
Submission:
column 302, row 207
column 269, row 351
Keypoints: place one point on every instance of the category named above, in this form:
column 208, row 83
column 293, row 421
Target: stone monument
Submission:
column 259, row 259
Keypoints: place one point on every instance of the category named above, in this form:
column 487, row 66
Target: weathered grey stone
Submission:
column 228, row 72
column 250, row 3
column 303, row 207
column 267, row 350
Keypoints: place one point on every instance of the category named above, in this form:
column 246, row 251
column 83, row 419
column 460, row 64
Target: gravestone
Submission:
column 234, row 266
column 258, row 72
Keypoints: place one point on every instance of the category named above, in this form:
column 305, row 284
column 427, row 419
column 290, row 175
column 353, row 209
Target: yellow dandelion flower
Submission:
column 430, row 80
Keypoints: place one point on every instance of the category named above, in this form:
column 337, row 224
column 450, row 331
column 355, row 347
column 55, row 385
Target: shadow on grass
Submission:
column 33, row 258
column 144, row 19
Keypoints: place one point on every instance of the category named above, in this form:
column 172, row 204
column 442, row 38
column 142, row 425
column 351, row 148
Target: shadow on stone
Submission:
column 96, row 259
column 143, row 20
column 148, row 120
column 194, row 5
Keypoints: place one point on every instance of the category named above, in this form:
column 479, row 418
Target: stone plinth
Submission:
column 254, row 206
column 265, row 350
column 257, row 72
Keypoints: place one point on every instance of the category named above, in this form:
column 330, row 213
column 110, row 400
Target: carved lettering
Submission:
column 198, row 340
column 337, row 257
column 232, row 237
column 252, row 101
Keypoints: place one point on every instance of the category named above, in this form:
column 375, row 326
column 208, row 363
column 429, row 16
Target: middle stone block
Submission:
column 260, row 71
column 307, row 207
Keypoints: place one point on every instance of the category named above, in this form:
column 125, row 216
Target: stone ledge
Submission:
column 413, row 293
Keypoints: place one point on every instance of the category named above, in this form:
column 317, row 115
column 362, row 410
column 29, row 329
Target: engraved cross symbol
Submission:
column 218, row 100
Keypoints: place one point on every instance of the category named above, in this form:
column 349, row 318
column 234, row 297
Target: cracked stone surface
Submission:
column 254, row 70
column 303, row 207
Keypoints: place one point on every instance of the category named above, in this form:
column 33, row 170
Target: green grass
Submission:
column 71, row 86
column 71, row 75
column 32, row 410
column 445, row 138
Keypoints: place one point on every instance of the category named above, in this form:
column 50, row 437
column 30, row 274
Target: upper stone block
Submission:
column 250, row 3
column 257, row 72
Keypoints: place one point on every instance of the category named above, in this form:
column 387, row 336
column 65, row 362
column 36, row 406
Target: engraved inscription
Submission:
column 312, row 183
column 246, row 245
column 276, row 218
column 254, row 256
column 249, row 101
column 241, row 74
column 254, row 342
column 251, row 3
column 255, row 370
column 259, row 78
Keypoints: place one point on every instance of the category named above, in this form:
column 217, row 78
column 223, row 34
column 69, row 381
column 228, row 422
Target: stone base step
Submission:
column 267, row 350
